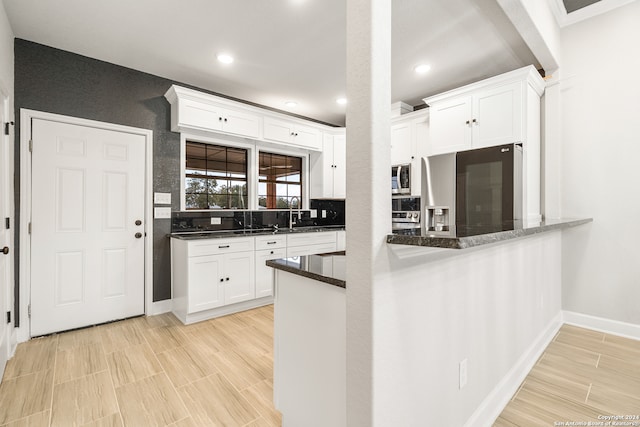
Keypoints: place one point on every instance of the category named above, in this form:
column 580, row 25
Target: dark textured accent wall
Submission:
column 60, row 82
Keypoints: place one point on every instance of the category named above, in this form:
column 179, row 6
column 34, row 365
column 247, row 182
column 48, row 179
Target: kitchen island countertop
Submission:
column 328, row 268
column 252, row 232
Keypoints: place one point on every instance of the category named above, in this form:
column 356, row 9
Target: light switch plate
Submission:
column 216, row 221
column 313, row 213
column 162, row 213
column 162, row 198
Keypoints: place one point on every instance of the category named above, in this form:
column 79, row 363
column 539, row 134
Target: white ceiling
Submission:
column 284, row 49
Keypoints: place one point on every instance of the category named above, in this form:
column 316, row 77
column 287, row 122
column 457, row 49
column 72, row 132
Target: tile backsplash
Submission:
column 322, row 213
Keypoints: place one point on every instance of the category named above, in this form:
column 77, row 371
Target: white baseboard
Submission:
column 160, row 307
column 495, row 402
column 613, row 327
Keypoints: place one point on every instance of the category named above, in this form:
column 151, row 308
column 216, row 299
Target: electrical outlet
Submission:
column 463, row 374
column 324, row 213
column 216, row 221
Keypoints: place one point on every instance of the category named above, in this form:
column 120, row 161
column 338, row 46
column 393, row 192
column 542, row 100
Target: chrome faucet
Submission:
column 291, row 211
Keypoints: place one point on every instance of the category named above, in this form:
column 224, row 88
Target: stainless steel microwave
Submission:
column 401, row 179
column 472, row 192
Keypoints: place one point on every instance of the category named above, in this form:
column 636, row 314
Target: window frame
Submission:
column 253, row 163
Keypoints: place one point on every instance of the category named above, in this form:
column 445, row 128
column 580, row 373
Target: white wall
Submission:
column 601, row 164
column 488, row 304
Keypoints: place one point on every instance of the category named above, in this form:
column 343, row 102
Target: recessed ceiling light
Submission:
column 225, row 58
column 422, row 68
column 341, row 101
column 291, row 104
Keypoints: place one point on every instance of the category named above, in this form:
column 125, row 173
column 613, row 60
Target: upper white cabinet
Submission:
column 196, row 111
column 292, row 133
column 328, row 168
column 491, row 112
column 410, row 142
column 501, row 110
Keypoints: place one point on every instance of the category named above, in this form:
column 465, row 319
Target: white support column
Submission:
column 369, row 197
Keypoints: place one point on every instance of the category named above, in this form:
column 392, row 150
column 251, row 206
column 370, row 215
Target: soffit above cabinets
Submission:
column 568, row 12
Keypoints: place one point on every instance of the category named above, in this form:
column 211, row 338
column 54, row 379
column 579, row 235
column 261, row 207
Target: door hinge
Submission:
column 29, row 228
column 31, row 145
column 6, row 127
column 29, row 311
column 8, row 317
column 7, row 223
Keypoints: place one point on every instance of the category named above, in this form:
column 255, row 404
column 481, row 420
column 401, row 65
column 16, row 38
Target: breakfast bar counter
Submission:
column 480, row 235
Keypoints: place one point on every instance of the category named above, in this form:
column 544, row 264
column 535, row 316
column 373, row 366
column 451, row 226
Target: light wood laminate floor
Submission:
column 154, row 371
column 147, row 371
column 583, row 376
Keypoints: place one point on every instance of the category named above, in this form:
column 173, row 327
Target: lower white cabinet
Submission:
column 300, row 244
column 264, row 274
column 341, row 240
column 239, row 278
column 209, row 274
column 214, row 277
column 204, row 287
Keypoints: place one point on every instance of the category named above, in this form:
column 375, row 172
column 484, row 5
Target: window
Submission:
column 280, row 181
column 215, row 177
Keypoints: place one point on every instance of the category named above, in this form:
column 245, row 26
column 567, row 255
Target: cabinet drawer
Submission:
column 322, row 248
column 315, row 238
column 270, row 242
column 220, row 246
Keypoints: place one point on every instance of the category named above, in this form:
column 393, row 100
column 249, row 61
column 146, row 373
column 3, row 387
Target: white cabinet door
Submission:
column 328, row 177
column 307, row 137
column 239, row 277
column 497, row 116
column 292, row 133
column 241, row 123
column 199, row 115
column 450, row 127
column 264, row 274
column 277, row 130
column 206, row 283
column 401, row 143
column 339, row 167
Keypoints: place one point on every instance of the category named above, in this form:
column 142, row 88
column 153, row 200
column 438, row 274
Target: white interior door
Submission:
column 87, row 238
column 5, row 293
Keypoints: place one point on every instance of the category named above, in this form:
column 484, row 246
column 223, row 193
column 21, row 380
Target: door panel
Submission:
column 87, row 265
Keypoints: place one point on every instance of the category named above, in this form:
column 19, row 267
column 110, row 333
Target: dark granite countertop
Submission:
column 328, row 268
column 252, row 232
column 414, row 238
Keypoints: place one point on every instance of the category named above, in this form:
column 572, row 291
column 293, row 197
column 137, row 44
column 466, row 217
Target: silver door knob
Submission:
column 138, row 235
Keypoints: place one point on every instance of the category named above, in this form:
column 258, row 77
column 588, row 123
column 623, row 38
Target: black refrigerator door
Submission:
column 485, row 190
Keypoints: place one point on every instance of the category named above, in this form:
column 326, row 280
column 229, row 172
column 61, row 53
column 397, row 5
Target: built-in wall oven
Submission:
column 472, row 192
column 401, row 179
column 405, row 213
